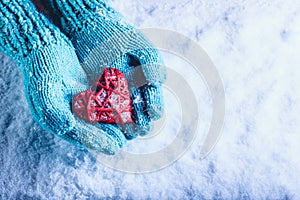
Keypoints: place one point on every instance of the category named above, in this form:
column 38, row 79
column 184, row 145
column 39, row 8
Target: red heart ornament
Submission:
column 107, row 100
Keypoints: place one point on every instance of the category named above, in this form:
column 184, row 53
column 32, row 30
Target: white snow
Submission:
column 255, row 46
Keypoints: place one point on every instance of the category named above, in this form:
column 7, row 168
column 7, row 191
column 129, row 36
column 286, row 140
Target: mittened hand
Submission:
column 54, row 73
column 102, row 38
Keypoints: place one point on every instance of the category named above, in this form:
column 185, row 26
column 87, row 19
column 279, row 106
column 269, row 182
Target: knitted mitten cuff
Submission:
column 23, row 30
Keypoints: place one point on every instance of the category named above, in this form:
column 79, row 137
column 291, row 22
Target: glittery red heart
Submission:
column 107, row 100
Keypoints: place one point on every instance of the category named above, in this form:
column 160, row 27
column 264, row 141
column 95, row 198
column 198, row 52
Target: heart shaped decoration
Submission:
column 107, row 100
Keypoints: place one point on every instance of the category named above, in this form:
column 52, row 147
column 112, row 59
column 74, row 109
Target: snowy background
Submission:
column 255, row 46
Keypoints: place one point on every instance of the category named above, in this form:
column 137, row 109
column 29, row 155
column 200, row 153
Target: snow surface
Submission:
column 255, row 46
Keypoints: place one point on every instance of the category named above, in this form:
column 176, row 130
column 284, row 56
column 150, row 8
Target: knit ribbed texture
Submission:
column 52, row 75
column 23, row 30
column 102, row 38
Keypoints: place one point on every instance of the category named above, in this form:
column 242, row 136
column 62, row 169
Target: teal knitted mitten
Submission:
column 102, row 38
column 52, row 75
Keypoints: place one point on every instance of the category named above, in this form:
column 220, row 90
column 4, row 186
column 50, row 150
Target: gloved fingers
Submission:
column 153, row 98
column 150, row 105
column 103, row 138
column 133, row 130
column 141, row 120
column 151, row 94
column 141, row 124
